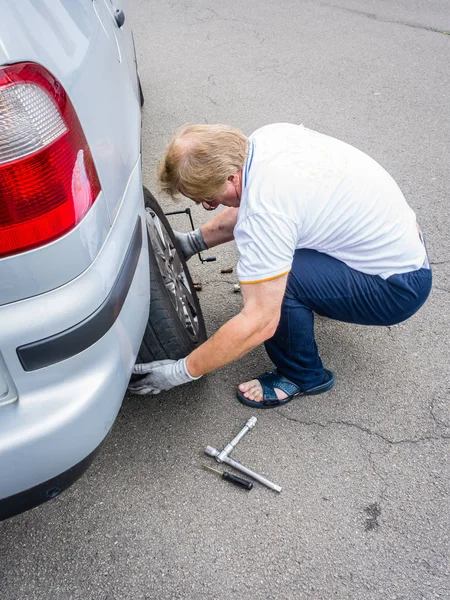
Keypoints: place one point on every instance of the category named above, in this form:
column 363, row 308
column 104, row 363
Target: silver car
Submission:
column 91, row 277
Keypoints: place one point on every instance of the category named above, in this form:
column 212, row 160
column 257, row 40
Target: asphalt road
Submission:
column 364, row 511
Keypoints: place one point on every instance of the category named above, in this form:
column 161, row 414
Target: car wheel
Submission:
column 175, row 326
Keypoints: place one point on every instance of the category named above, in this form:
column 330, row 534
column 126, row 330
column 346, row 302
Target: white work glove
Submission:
column 160, row 375
column 191, row 243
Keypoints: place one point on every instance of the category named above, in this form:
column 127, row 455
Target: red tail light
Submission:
column 48, row 180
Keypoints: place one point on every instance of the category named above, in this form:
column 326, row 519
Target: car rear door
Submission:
column 118, row 11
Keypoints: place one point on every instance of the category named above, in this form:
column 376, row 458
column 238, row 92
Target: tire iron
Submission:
column 240, row 481
column 187, row 211
column 239, row 467
column 229, row 447
column 223, row 457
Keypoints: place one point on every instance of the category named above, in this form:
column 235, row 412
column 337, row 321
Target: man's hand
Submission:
column 191, row 243
column 160, row 375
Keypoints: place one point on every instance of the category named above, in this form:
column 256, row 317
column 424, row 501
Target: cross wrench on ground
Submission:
column 226, row 451
column 222, row 457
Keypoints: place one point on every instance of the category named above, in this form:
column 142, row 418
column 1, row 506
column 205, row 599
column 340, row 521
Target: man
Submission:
column 320, row 227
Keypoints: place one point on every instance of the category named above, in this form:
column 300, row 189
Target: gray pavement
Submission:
column 364, row 511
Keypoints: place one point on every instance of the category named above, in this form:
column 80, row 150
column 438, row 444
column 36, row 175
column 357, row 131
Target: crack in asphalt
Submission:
column 422, row 439
column 214, row 16
column 376, row 17
column 381, row 477
column 436, row 419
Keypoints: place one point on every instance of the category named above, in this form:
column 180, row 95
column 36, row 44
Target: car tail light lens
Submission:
column 48, row 180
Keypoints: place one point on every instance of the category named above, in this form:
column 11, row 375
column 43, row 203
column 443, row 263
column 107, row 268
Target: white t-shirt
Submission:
column 303, row 189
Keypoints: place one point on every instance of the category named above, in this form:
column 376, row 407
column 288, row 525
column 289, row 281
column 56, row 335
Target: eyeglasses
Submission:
column 208, row 204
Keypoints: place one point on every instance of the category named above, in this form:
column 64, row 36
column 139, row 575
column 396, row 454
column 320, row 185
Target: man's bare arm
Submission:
column 256, row 323
column 220, row 229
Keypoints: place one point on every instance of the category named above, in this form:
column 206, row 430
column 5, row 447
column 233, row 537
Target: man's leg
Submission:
column 293, row 348
column 322, row 284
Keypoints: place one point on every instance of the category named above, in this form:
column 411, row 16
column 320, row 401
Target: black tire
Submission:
column 141, row 93
column 175, row 326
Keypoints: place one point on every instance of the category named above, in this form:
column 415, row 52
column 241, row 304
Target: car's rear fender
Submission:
column 64, row 410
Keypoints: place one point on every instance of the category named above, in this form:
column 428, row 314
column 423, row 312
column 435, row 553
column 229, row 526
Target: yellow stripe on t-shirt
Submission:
column 262, row 280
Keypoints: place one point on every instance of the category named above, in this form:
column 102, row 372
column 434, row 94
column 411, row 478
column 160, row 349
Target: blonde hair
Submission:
column 200, row 158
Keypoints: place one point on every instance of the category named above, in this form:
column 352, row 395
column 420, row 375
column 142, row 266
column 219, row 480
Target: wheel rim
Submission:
column 173, row 274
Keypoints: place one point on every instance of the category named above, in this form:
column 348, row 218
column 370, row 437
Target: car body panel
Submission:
column 65, row 410
column 22, row 275
column 8, row 391
column 79, row 53
column 69, row 304
column 54, row 415
column 124, row 39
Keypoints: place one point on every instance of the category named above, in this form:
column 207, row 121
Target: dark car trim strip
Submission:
column 74, row 340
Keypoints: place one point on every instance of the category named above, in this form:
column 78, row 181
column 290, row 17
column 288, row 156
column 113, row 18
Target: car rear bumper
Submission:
column 81, row 336
column 71, row 379
column 19, row 503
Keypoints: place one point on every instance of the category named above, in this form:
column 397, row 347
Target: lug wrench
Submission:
column 222, row 457
column 187, row 211
column 236, row 465
column 229, row 447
